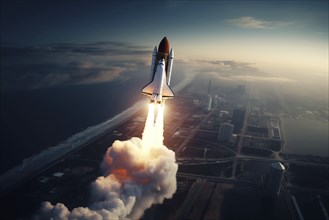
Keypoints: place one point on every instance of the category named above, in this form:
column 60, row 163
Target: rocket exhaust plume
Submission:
column 153, row 131
column 137, row 174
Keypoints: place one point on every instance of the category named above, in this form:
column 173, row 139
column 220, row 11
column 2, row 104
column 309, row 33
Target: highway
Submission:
column 192, row 133
column 308, row 190
column 289, row 202
column 197, row 187
column 190, row 198
column 194, row 161
column 217, row 145
column 243, row 131
column 214, row 178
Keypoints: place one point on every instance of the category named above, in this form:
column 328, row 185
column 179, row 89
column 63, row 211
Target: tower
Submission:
column 209, row 101
column 238, row 118
column 274, row 180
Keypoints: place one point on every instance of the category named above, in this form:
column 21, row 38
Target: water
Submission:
column 305, row 136
column 32, row 121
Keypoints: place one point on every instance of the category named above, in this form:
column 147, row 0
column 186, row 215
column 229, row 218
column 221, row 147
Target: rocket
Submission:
column 160, row 74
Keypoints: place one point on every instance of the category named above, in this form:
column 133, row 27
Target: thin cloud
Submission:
column 249, row 78
column 234, row 71
column 69, row 64
column 253, row 23
column 227, row 67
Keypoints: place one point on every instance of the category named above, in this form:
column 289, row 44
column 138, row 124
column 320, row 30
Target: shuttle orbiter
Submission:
column 162, row 60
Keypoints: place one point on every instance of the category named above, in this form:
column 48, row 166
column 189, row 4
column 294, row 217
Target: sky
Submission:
column 51, row 43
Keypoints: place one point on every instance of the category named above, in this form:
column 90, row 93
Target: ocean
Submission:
column 305, row 136
column 33, row 120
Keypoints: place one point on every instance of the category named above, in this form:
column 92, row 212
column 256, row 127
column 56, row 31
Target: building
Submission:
column 274, row 180
column 223, row 114
column 274, row 130
column 209, row 103
column 215, row 101
column 225, row 132
column 238, row 119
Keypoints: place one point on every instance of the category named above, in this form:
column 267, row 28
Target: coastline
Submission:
column 46, row 158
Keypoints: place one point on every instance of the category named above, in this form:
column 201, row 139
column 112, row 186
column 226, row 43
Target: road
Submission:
column 190, row 198
column 214, row 178
column 191, row 135
column 200, row 160
column 217, row 145
column 243, row 131
column 197, row 187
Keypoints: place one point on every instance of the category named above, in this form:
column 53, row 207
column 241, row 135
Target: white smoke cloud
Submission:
column 137, row 174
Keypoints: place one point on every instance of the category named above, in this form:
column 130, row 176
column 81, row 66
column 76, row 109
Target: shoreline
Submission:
column 48, row 157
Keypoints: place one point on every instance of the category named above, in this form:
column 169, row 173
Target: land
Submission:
column 215, row 180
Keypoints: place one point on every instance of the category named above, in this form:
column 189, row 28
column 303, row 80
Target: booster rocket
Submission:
column 160, row 74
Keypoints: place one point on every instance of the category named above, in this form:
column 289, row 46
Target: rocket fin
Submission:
column 149, row 88
column 167, row 92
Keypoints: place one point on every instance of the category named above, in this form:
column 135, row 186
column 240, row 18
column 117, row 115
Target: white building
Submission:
column 209, row 103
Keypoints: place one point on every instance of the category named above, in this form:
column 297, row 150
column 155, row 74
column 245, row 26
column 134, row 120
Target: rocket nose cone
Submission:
column 164, row 46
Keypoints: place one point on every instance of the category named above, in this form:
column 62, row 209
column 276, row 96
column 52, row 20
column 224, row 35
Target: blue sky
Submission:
column 77, row 21
column 139, row 22
column 276, row 37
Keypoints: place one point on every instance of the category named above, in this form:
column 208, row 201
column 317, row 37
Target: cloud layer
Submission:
column 253, row 23
column 73, row 64
column 232, row 71
column 68, row 64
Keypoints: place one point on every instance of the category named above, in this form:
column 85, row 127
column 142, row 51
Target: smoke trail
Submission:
column 137, row 174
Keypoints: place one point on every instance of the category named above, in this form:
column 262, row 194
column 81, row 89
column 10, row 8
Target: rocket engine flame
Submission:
column 137, row 174
column 153, row 131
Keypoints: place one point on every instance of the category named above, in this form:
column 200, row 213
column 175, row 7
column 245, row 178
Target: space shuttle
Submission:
column 158, row 89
